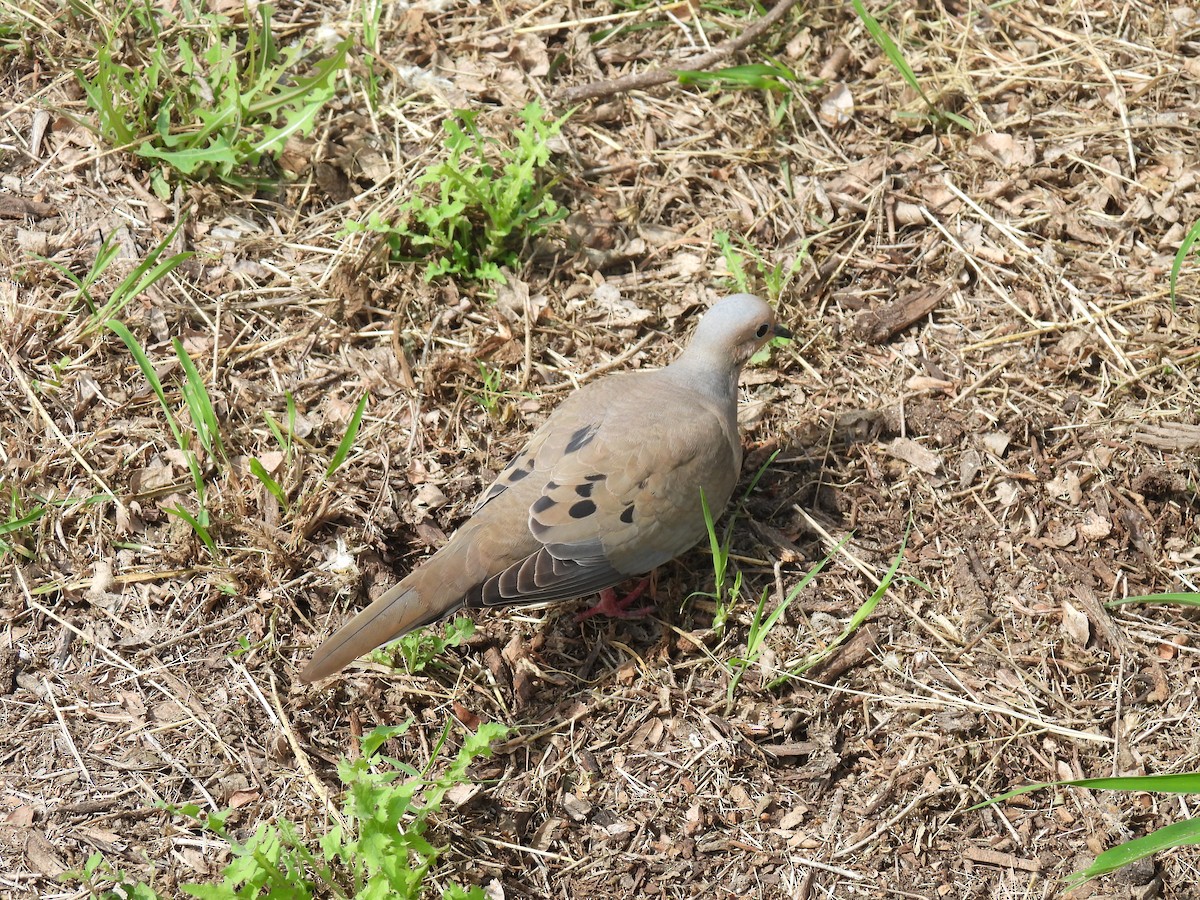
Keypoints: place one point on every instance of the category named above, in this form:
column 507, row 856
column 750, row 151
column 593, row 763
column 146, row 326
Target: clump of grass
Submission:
column 763, row 622
column 14, row 528
column 761, row 625
column 490, row 392
column 725, row 596
column 198, row 97
column 379, row 850
column 205, row 428
column 145, row 275
column 856, row 620
column 471, row 213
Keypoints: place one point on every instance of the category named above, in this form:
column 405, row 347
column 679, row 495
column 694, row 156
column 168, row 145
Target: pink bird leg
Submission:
column 618, row 607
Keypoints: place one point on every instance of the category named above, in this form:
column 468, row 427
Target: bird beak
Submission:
column 781, row 331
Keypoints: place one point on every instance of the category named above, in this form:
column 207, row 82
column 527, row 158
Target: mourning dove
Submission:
column 608, row 488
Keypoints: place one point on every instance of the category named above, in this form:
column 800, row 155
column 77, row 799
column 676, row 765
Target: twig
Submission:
column 637, row 81
column 62, row 723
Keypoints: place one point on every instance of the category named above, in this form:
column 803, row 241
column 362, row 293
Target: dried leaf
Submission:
column 914, row 454
column 1075, row 624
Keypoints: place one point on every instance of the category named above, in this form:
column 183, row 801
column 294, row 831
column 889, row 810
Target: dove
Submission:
column 608, row 488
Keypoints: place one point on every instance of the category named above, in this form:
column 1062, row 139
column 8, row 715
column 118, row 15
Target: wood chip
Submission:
column 915, row 454
column 996, row 858
column 879, row 325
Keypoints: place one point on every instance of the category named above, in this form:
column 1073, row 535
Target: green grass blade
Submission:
column 718, row 552
column 1178, row 834
column 201, row 531
column 1181, row 254
column 146, row 274
column 284, row 444
column 1181, row 599
column 143, row 362
column 1186, row 783
column 756, row 76
column 890, row 50
column 735, row 263
column 343, row 449
column 260, row 472
column 24, row 521
column 204, row 419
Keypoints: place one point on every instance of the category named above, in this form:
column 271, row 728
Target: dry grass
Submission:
column 1034, row 425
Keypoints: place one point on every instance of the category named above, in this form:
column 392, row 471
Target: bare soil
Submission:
column 986, row 349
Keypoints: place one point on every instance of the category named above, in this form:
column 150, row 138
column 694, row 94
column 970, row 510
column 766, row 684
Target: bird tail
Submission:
column 402, row 608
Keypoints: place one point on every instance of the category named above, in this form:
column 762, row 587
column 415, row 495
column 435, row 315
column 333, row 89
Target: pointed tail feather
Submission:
column 400, row 610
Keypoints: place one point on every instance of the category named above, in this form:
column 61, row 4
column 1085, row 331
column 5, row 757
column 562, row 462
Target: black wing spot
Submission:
column 551, row 486
column 627, row 515
column 596, row 477
column 582, row 509
column 542, row 503
column 585, row 489
column 580, row 439
column 517, row 474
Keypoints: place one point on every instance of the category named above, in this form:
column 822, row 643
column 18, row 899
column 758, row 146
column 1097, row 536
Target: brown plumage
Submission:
column 608, row 488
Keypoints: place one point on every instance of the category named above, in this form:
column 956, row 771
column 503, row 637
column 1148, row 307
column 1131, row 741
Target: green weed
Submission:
column 285, row 441
column 83, row 285
column 489, row 394
column 286, row 444
column 748, row 267
column 762, row 623
column 469, row 215
column 372, row 15
column 421, row 647
column 1178, row 834
column 259, row 471
column 893, row 53
column 201, row 97
column 381, row 850
column 723, row 596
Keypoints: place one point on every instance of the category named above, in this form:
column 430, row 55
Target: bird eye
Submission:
column 762, row 330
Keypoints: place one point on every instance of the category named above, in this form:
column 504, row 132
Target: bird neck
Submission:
column 697, row 372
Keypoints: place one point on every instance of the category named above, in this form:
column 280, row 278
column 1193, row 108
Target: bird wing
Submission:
column 621, row 481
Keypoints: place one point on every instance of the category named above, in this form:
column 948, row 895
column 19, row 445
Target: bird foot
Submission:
column 618, row 607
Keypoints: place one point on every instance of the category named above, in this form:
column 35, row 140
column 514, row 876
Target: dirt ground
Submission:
column 985, row 345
